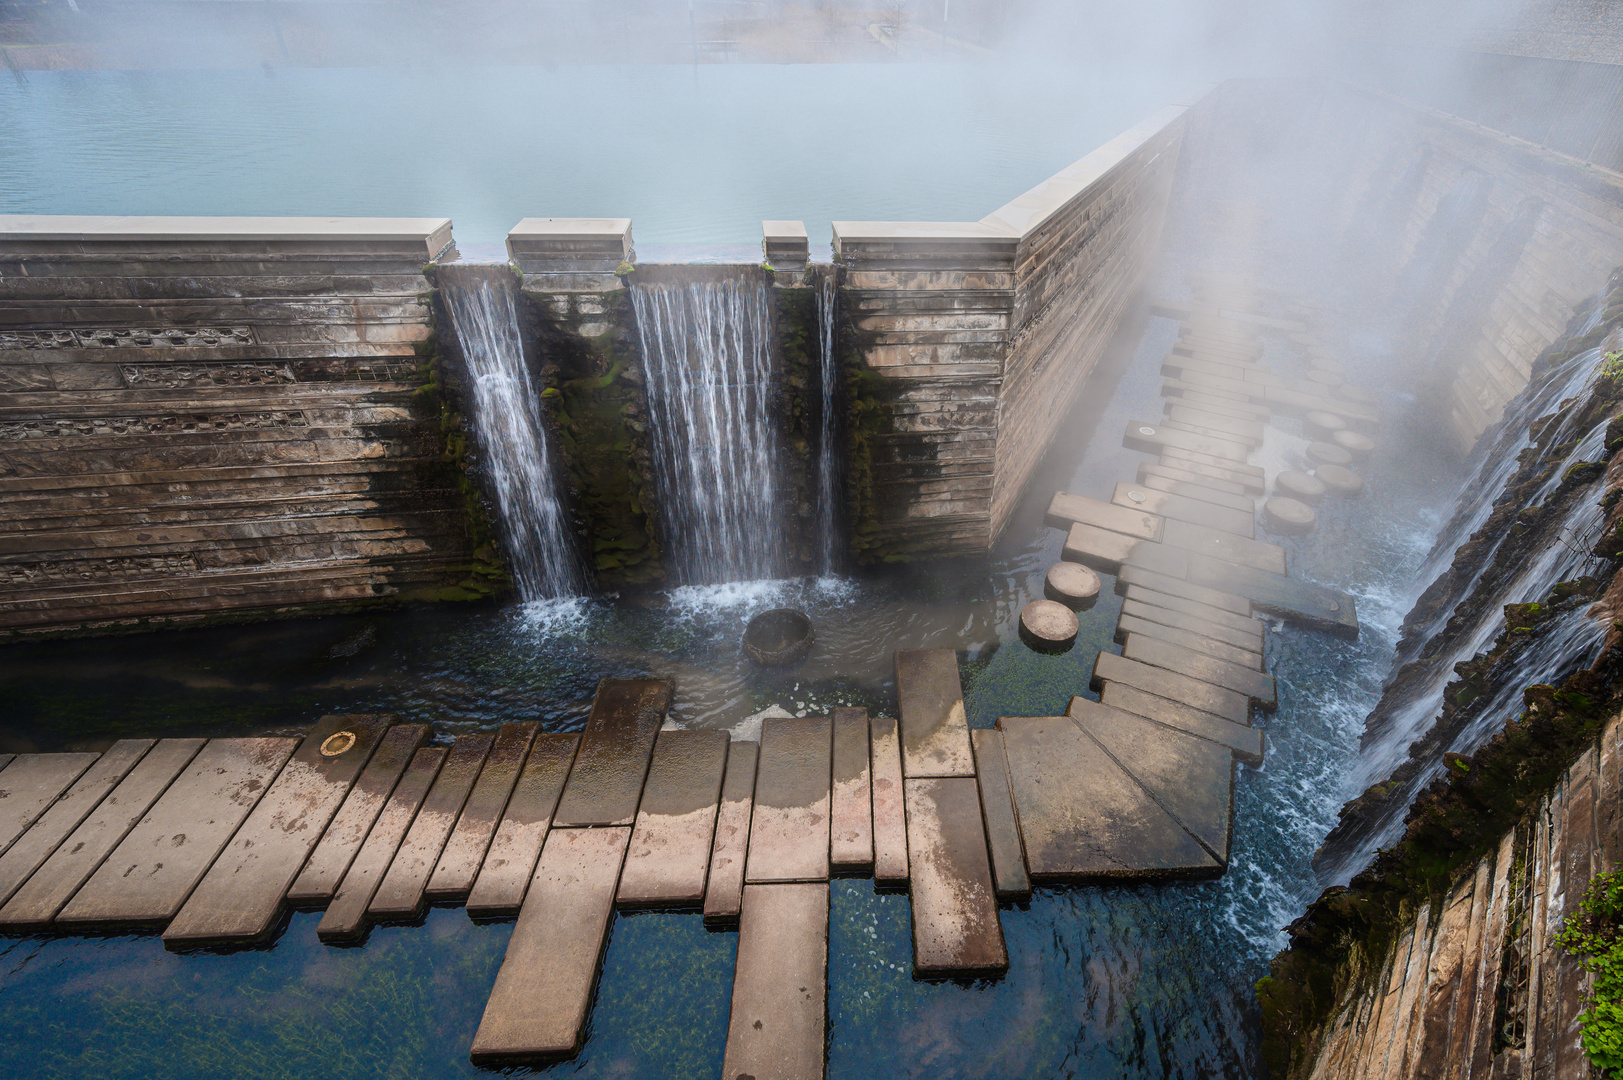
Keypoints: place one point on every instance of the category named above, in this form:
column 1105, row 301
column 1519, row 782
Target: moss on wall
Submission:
column 797, row 408
column 594, row 398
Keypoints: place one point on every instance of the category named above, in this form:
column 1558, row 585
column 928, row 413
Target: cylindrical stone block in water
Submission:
column 1071, row 584
column 1340, row 481
column 1295, row 484
column 1328, row 453
column 1048, row 626
column 1323, row 424
column 1288, row 516
column 1359, row 446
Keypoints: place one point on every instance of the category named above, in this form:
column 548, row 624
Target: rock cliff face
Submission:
column 1438, row 958
column 210, row 419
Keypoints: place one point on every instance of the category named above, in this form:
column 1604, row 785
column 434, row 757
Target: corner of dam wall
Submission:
column 978, row 336
column 204, row 418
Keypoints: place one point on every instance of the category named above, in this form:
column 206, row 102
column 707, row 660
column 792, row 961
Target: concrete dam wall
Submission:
column 205, row 417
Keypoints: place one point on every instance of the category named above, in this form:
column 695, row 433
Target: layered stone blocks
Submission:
column 202, row 416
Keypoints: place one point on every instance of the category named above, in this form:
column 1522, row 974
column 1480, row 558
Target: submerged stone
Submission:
column 1286, row 515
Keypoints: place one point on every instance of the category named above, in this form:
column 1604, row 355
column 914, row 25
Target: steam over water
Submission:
column 707, row 347
column 507, row 422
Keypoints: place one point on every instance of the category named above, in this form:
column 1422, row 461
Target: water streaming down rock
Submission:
column 512, row 437
column 1523, row 533
column 829, row 429
column 706, row 337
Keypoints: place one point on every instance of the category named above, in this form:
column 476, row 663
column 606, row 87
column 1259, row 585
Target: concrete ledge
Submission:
column 570, row 245
column 924, row 245
column 58, row 232
column 784, row 245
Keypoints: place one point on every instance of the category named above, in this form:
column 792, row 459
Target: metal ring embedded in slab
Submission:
column 1146, row 431
column 338, row 742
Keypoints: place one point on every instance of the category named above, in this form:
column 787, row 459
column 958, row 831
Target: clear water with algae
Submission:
column 1145, row 981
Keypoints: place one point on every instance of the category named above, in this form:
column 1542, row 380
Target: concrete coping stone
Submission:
column 433, row 233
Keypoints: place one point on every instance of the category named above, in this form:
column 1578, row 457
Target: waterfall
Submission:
column 828, row 459
column 707, row 351
column 512, row 439
column 1408, row 733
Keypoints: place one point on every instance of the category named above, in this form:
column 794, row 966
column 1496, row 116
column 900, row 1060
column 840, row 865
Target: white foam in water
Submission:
column 557, row 617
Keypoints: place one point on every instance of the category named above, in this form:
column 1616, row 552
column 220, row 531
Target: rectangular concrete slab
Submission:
column 1196, row 665
column 400, row 894
column 956, row 930
column 537, row 1009
column 935, row 735
column 328, row 863
column 510, row 862
column 1107, row 827
column 1009, row 878
column 150, row 874
column 1244, row 740
column 1152, row 437
column 889, row 814
column 1219, row 544
column 724, row 890
column 606, row 780
column 789, row 827
column 1207, row 626
column 1129, row 520
column 241, row 896
column 1224, row 616
column 1186, row 590
column 1288, row 598
column 1110, row 668
column 48, row 831
column 1249, row 431
column 346, row 918
column 1251, row 477
column 1183, row 508
column 778, row 1026
column 38, row 900
column 1128, row 624
column 30, row 784
column 851, row 798
column 1098, row 549
column 1151, row 471
column 464, row 852
column 669, row 856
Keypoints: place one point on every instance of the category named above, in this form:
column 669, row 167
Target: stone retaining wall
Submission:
column 981, row 335
column 206, row 416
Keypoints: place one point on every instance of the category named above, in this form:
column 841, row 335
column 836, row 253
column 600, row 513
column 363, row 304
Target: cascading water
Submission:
column 1480, row 565
column 828, row 459
column 707, row 349
column 512, row 438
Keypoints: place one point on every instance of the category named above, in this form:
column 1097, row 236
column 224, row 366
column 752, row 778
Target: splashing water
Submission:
column 828, row 467
column 512, row 438
column 707, row 347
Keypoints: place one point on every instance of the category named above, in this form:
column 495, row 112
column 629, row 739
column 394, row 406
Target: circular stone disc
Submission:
column 1072, row 584
column 1299, row 485
column 1340, row 481
column 1288, row 516
column 1048, row 625
column 1323, row 423
column 1328, row 453
column 1324, row 378
column 1359, row 446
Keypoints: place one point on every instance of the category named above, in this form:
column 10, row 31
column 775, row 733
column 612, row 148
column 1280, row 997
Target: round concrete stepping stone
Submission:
column 1048, row 626
column 1072, row 584
column 1328, row 453
column 1327, row 379
column 1324, row 424
column 1299, row 485
column 1355, row 394
column 1359, row 446
column 1340, row 481
column 1288, row 516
